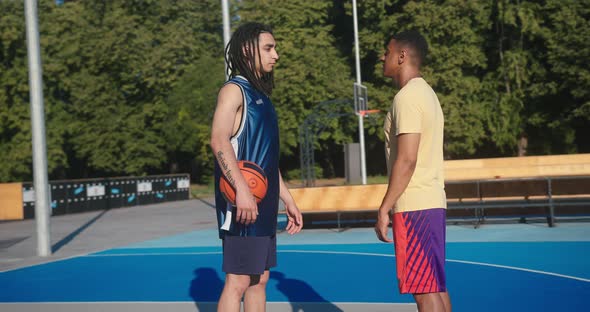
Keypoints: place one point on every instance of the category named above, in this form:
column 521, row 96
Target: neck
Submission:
column 406, row 75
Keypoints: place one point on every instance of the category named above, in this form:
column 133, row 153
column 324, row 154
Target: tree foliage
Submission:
column 130, row 85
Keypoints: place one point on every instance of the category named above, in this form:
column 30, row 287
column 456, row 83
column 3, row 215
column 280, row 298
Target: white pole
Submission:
column 356, row 43
column 358, row 80
column 42, row 212
column 226, row 28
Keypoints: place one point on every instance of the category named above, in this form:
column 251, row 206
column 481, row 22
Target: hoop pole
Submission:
column 41, row 183
column 358, row 80
column 226, row 29
column 356, row 43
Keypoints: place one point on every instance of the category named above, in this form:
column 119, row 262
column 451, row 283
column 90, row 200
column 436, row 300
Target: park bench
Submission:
column 546, row 192
column 472, row 198
column 339, row 200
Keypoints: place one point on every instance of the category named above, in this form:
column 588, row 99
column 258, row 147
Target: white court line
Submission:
column 191, row 306
column 521, row 269
column 158, row 254
column 359, row 254
column 192, row 302
column 43, row 263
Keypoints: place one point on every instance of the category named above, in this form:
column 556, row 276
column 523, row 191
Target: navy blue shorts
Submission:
column 249, row 255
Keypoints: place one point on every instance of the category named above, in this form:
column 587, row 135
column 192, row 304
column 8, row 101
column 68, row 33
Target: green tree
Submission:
column 516, row 73
column 310, row 70
column 559, row 119
column 123, row 60
column 188, row 130
column 15, row 129
column 15, row 124
column 456, row 60
column 130, row 85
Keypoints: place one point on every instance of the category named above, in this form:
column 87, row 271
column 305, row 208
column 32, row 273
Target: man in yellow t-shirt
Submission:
column 415, row 194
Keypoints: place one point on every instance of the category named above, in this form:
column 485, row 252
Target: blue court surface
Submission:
column 503, row 267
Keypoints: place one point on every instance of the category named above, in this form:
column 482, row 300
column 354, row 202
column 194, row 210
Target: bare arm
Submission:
column 229, row 105
column 294, row 217
column 402, row 171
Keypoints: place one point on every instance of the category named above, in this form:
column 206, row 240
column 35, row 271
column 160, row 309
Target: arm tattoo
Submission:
column 224, row 167
column 222, row 161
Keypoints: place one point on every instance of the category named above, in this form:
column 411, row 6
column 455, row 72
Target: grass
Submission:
column 202, row 190
column 378, row 180
column 207, row 190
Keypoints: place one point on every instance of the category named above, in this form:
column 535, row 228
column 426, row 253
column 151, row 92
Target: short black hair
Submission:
column 239, row 64
column 415, row 41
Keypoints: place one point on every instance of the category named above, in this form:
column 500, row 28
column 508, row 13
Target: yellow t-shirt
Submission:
column 416, row 109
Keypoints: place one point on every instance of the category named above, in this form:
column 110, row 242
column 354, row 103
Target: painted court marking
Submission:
column 348, row 253
column 314, row 275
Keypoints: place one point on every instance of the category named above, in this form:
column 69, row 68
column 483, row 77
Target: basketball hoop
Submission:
column 364, row 113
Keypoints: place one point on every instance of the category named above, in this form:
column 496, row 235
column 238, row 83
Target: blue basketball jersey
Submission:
column 257, row 140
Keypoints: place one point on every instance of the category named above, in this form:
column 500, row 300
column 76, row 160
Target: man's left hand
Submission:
column 382, row 226
column 294, row 219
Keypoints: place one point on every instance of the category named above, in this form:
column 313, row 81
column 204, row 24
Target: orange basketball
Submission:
column 255, row 177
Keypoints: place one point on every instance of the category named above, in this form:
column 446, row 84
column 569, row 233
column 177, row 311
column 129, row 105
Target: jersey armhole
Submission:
column 244, row 113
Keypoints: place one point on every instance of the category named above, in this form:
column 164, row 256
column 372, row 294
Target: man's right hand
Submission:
column 246, row 207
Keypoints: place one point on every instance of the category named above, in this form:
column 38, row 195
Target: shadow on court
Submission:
column 205, row 289
column 301, row 295
column 57, row 246
column 210, row 204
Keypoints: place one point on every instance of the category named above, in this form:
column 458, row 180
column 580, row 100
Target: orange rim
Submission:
column 369, row 111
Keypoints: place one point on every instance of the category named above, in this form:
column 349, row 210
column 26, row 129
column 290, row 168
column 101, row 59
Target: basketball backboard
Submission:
column 360, row 98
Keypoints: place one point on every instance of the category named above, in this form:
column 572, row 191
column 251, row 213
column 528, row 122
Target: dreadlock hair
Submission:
column 415, row 41
column 240, row 54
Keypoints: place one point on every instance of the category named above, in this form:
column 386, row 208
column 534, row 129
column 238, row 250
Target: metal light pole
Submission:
column 226, row 28
column 358, row 80
column 42, row 212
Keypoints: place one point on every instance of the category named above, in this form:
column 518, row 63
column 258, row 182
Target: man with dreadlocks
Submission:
column 245, row 127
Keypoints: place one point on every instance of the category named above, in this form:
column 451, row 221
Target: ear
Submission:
column 402, row 57
column 249, row 50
